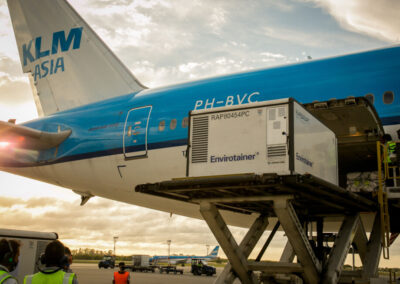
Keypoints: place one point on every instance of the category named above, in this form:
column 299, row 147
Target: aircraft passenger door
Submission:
column 135, row 132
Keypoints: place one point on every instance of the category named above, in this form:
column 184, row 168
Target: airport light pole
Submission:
column 169, row 249
column 208, row 247
column 115, row 242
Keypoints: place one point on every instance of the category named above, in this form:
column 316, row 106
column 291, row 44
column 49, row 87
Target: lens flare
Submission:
column 4, row 145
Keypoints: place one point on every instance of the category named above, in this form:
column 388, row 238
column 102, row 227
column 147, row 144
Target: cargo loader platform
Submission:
column 295, row 200
column 252, row 193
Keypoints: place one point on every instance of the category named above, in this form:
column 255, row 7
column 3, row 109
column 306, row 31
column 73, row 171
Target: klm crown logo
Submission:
column 34, row 51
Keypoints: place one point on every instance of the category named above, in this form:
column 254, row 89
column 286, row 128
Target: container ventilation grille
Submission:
column 276, row 151
column 200, row 140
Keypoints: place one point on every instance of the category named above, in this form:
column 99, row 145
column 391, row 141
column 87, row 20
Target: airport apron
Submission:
column 121, row 278
column 4, row 275
column 59, row 277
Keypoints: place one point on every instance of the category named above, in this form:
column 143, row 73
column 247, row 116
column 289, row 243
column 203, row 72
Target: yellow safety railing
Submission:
column 383, row 175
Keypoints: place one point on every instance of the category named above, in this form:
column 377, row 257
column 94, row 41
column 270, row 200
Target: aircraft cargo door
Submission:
column 135, row 132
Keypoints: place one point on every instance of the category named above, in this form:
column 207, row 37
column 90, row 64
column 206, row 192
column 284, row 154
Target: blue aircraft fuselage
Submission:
column 98, row 129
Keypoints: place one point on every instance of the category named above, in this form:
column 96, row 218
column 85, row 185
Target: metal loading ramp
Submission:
column 295, row 200
column 251, row 193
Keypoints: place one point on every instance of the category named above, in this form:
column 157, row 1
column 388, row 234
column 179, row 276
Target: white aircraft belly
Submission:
column 101, row 177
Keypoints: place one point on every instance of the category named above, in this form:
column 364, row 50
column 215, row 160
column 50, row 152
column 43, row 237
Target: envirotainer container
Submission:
column 277, row 136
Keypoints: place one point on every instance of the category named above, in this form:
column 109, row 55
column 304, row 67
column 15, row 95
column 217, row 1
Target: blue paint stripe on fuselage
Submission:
column 394, row 120
column 97, row 129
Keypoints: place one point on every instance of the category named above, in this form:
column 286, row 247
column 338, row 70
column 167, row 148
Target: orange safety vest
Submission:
column 121, row 278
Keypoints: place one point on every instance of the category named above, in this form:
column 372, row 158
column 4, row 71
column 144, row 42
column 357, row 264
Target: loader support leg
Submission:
column 360, row 242
column 374, row 250
column 298, row 239
column 287, row 254
column 247, row 245
column 340, row 249
column 224, row 237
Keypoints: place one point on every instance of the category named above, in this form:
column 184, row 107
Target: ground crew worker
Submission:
column 391, row 146
column 391, row 151
column 9, row 254
column 55, row 260
column 121, row 276
column 68, row 254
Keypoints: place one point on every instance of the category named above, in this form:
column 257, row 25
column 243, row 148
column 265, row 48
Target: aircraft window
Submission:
column 172, row 124
column 185, row 122
column 161, row 125
column 388, row 97
column 129, row 130
column 370, row 97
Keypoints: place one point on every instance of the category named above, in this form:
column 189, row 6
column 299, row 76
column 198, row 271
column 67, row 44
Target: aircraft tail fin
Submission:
column 214, row 252
column 68, row 64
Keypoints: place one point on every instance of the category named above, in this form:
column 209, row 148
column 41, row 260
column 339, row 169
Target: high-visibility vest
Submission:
column 121, row 278
column 59, row 277
column 391, row 146
column 4, row 275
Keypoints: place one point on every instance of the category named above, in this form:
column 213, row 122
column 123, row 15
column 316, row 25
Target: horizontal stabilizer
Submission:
column 23, row 137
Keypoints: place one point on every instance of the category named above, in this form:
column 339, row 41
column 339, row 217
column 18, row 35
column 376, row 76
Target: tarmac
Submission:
column 89, row 273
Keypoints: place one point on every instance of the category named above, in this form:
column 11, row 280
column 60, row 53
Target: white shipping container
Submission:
column 140, row 260
column 32, row 246
column 278, row 136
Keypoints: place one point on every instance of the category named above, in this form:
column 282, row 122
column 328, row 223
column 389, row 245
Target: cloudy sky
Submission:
column 171, row 41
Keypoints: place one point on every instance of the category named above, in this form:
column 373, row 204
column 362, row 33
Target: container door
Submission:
column 135, row 132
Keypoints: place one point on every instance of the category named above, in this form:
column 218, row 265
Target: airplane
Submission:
column 182, row 259
column 101, row 132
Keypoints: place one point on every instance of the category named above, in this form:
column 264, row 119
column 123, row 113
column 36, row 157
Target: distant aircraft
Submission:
column 181, row 259
column 101, row 132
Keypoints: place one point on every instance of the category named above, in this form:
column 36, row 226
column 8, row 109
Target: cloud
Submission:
column 6, row 202
column 375, row 18
column 14, row 87
column 94, row 225
column 14, row 91
column 157, row 40
column 10, row 67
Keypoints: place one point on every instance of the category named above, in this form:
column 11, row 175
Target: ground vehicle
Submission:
column 170, row 268
column 141, row 263
column 199, row 268
column 108, row 261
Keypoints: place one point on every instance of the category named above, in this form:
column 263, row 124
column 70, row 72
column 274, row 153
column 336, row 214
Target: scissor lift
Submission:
column 294, row 200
